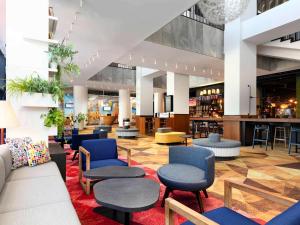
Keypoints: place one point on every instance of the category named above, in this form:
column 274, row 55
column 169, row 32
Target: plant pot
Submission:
column 38, row 100
column 53, row 65
column 52, row 131
column 81, row 125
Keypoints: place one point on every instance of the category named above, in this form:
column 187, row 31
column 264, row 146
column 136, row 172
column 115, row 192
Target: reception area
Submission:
column 152, row 112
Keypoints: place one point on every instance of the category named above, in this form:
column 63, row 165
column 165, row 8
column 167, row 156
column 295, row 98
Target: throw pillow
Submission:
column 18, row 148
column 38, row 154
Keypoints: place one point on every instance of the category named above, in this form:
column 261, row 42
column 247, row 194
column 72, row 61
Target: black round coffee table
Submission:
column 110, row 172
column 126, row 195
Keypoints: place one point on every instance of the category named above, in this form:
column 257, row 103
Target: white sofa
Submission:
column 33, row 195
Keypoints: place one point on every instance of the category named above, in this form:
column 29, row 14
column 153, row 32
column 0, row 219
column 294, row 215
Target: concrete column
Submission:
column 124, row 105
column 144, row 91
column 80, row 99
column 178, row 86
column 158, row 102
column 240, row 67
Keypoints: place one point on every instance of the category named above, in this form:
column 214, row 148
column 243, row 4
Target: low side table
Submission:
column 110, row 172
column 58, row 155
column 126, row 195
column 186, row 136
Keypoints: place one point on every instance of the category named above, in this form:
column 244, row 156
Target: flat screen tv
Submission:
column 169, row 103
column 106, row 108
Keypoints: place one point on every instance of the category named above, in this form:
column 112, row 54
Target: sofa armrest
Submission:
column 238, row 184
column 128, row 151
column 87, row 158
column 172, row 206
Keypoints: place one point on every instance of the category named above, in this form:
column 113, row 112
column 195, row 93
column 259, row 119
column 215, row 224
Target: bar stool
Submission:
column 280, row 135
column 294, row 141
column 258, row 135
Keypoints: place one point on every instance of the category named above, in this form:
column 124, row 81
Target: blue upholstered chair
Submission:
column 226, row 216
column 189, row 169
column 98, row 153
column 77, row 140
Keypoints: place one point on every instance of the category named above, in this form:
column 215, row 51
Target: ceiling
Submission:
column 103, row 31
column 164, row 58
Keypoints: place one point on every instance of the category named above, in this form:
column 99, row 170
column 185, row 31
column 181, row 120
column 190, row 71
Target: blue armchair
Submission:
column 77, row 140
column 189, row 169
column 99, row 153
column 226, row 216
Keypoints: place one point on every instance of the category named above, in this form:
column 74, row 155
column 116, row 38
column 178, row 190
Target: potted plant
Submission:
column 54, row 120
column 80, row 119
column 61, row 57
column 36, row 91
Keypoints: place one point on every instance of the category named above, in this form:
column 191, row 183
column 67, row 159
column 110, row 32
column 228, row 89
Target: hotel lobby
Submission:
column 150, row 112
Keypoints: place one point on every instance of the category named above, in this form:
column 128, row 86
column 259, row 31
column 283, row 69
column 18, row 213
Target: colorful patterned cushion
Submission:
column 38, row 154
column 18, row 148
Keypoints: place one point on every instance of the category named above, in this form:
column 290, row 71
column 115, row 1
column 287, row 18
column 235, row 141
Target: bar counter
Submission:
column 241, row 127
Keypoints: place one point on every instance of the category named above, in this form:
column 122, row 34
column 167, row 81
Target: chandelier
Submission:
column 222, row 11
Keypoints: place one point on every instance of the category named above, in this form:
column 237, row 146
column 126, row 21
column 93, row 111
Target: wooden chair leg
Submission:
column 199, row 200
column 205, row 193
column 74, row 156
column 166, row 195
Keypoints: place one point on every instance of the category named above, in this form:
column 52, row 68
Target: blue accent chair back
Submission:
column 101, row 149
column 78, row 138
column 195, row 156
column 75, row 131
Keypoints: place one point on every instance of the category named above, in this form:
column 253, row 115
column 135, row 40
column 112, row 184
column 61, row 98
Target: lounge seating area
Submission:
column 150, row 112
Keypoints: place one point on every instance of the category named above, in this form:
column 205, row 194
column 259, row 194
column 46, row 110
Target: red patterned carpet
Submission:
column 84, row 204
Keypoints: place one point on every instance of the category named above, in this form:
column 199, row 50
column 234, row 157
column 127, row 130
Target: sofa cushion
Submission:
column 2, row 174
column 26, row 172
column 5, row 154
column 291, row 216
column 18, row 148
column 225, row 216
column 61, row 213
column 182, row 177
column 28, row 193
column 38, row 154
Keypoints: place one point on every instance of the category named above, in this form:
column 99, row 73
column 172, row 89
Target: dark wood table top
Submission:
column 110, row 172
column 127, row 194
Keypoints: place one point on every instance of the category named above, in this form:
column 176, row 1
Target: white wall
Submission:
column 124, row 105
column 80, row 99
column 144, row 91
column 23, row 56
column 178, row 86
column 2, row 25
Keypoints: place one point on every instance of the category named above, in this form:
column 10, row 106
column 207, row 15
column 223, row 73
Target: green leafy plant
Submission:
column 54, row 118
column 81, row 117
column 63, row 55
column 35, row 84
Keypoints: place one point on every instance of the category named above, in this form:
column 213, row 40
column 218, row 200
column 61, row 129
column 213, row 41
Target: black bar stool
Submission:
column 202, row 128
column 261, row 135
column 293, row 141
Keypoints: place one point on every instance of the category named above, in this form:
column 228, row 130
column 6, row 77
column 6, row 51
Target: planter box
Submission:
column 38, row 100
column 52, row 131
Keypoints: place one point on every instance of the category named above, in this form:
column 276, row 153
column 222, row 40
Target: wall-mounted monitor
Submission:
column 106, row 108
column 169, row 103
column 69, row 105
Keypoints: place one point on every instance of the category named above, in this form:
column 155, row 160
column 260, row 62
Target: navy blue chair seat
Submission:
column 103, row 163
column 226, row 216
column 182, row 177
